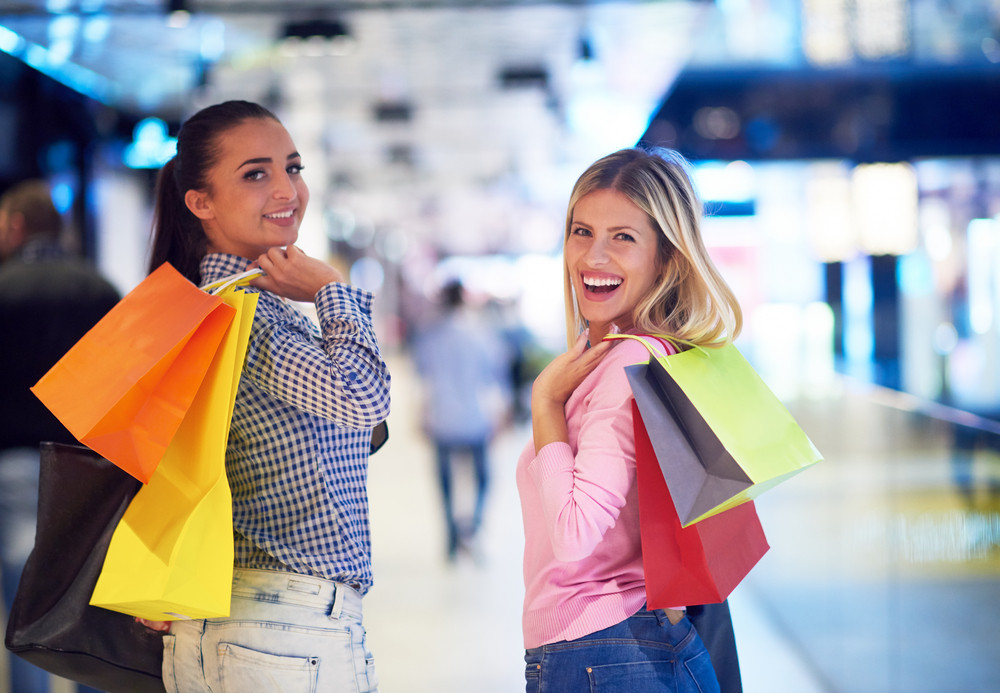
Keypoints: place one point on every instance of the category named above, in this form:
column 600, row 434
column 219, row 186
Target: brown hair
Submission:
column 33, row 200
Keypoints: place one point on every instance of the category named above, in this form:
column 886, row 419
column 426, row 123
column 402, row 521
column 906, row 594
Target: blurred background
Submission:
column 848, row 152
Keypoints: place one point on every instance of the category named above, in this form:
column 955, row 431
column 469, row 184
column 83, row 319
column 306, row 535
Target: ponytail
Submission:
column 178, row 237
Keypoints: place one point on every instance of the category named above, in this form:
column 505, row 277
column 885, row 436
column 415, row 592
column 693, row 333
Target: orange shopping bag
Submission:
column 123, row 389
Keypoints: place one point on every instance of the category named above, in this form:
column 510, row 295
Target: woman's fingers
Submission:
column 293, row 274
column 161, row 626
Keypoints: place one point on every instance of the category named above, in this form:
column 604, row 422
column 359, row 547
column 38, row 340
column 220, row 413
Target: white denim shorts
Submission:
column 286, row 633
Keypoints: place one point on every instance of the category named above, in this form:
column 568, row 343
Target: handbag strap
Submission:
column 241, row 279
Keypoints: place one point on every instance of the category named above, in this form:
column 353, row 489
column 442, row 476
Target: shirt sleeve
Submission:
column 340, row 375
column 583, row 493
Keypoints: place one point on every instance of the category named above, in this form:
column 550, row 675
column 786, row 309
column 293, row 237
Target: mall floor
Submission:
column 881, row 578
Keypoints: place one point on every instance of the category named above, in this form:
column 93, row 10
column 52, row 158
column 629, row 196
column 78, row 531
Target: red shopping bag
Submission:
column 124, row 387
column 699, row 564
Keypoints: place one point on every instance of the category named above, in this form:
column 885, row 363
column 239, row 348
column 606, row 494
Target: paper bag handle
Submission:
column 676, row 341
column 241, row 279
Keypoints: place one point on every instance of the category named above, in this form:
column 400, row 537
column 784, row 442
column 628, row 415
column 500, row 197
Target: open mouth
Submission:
column 601, row 285
column 280, row 215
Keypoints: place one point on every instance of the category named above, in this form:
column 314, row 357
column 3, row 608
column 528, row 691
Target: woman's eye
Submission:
column 626, row 237
column 580, row 231
column 294, row 169
column 256, row 174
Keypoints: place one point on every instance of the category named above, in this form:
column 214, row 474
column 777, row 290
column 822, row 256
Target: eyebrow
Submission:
column 623, row 227
column 267, row 160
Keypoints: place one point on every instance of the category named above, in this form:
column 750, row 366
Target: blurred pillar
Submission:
column 885, row 320
column 834, row 290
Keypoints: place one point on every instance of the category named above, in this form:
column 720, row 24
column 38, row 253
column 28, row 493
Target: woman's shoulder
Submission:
column 610, row 376
column 608, row 381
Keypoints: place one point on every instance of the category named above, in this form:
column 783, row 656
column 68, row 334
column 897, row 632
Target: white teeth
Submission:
column 606, row 281
column 281, row 215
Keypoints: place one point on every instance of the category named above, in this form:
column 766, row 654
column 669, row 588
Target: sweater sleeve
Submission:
column 584, row 484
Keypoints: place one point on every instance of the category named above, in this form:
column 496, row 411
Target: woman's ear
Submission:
column 199, row 204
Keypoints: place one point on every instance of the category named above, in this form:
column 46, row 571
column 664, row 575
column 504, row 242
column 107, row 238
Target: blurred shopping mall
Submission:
column 848, row 153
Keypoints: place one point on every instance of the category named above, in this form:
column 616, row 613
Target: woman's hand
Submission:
column 555, row 384
column 161, row 626
column 291, row 273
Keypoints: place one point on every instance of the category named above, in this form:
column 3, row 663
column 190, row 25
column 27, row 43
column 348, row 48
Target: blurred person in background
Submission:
column 48, row 299
column 464, row 366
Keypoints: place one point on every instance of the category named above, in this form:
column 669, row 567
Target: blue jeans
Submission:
column 18, row 514
column 286, row 633
column 447, row 455
column 643, row 653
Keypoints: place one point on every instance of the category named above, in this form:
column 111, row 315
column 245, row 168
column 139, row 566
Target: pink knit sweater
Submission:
column 582, row 553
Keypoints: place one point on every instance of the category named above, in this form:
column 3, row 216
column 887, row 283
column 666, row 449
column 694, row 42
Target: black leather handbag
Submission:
column 81, row 498
column 714, row 624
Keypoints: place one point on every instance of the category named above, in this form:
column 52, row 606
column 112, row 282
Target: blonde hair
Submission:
column 690, row 300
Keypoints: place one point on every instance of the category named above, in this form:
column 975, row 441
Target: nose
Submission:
column 284, row 187
column 597, row 252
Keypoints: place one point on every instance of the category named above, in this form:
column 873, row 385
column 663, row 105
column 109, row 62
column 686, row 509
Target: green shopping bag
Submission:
column 720, row 435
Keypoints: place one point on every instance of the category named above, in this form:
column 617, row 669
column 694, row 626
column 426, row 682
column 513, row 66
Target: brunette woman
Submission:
column 297, row 459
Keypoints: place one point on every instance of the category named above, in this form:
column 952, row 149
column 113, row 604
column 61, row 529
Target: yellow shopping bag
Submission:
column 721, row 436
column 171, row 556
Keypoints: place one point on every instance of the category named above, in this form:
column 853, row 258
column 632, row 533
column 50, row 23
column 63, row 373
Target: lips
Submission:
column 601, row 285
column 284, row 218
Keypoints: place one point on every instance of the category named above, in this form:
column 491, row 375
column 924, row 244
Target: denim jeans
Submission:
column 286, row 633
column 19, row 469
column 18, row 512
column 643, row 653
column 448, row 454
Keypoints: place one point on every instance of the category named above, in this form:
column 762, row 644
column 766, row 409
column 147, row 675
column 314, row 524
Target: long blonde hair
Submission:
column 690, row 300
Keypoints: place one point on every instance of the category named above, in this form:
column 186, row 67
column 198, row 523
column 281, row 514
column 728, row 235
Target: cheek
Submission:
column 650, row 278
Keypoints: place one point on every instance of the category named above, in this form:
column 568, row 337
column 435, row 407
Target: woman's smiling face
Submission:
column 256, row 195
column 611, row 255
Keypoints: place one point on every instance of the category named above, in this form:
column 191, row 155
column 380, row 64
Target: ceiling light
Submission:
column 178, row 14
column 323, row 28
column 303, row 37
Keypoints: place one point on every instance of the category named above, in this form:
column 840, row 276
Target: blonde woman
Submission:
column 635, row 262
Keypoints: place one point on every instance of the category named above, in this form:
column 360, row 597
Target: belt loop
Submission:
column 338, row 603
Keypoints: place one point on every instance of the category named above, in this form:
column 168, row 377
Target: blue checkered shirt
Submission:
column 297, row 457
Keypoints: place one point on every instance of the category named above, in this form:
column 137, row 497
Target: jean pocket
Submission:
column 628, row 677
column 242, row 669
column 702, row 673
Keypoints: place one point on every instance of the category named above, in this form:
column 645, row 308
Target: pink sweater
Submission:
column 582, row 553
